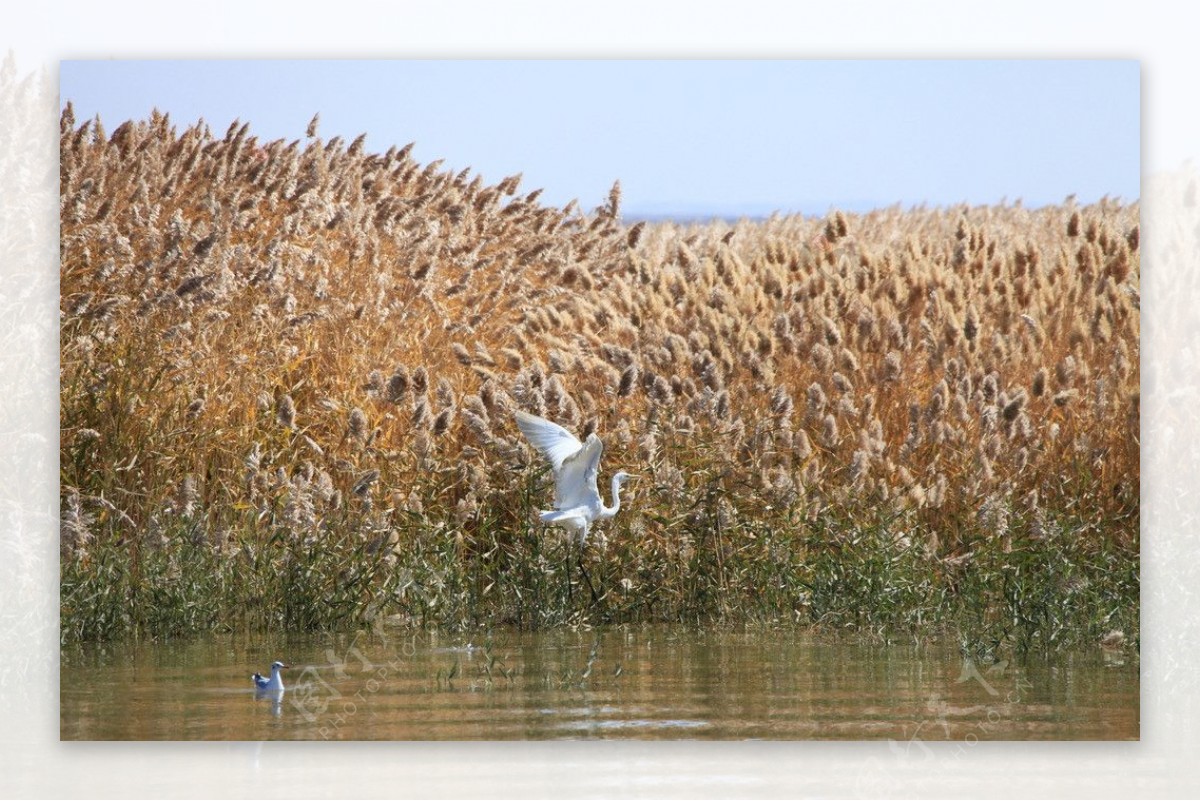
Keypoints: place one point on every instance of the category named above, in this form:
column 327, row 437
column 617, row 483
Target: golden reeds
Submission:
column 990, row 351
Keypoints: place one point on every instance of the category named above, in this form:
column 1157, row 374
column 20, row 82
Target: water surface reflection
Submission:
column 642, row 683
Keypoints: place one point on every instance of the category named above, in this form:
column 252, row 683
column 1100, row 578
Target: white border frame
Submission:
column 1159, row 34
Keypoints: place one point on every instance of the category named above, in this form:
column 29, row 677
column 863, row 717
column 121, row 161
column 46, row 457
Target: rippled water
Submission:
column 650, row 683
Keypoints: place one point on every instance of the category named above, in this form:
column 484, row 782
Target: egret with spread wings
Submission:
column 576, row 465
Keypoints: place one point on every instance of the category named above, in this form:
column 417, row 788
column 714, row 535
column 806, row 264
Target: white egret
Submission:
column 274, row 683
column 577, row 501
column 576, row 465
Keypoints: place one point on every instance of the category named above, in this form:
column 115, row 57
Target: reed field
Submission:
column 288, row 372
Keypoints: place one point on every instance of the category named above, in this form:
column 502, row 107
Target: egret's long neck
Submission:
column 616, row 496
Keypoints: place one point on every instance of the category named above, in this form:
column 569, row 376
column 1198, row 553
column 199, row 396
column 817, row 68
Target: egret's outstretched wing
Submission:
column 577, row 515
column 575, row 481
column 553, row 441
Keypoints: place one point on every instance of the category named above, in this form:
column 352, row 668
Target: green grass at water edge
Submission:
column 1056, row 590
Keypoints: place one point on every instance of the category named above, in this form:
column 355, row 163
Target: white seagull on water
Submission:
column 274, row 683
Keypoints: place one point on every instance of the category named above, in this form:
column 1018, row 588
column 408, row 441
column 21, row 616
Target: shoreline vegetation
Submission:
column 288, row 372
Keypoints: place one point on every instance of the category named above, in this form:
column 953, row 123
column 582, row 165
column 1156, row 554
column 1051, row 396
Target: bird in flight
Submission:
column 576, row 466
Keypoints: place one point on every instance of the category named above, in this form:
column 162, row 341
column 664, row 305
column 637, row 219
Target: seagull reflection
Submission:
column 274, row 697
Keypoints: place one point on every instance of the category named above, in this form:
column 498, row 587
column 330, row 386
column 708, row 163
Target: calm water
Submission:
column 650, row 683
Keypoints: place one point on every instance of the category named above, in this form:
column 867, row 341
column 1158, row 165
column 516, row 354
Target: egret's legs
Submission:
column 591, row 587
column 567, row 572
column 571, row 540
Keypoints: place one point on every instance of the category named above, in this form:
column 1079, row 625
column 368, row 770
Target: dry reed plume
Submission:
column 273, row 345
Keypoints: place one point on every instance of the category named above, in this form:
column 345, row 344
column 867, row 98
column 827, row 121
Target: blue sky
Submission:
column 722, row 137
